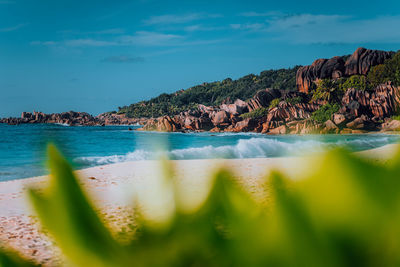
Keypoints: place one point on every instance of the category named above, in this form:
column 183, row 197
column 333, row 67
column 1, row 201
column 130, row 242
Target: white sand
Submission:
column 115, row 185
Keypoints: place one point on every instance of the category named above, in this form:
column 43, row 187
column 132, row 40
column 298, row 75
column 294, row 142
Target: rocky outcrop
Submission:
column 237, row 108
column 263, row 98
column 391, row 125
column 360, row 62
column 383, row 101
column 162, row 124
column 320, row 69
column 119, row 119
column 194, row 121
column 72, row 118
column 288, row 112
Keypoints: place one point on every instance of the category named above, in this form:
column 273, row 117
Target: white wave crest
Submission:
column 244, row 148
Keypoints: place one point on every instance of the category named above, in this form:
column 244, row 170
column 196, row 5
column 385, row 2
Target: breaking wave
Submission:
column 244, row 148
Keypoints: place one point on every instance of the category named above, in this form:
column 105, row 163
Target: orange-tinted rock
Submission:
column 279, row 130
column 245, row 125
column 220, row 117
column 383, row 101
column 361, row 61
column 320, row 69
column 263, row 98
column 392, row 125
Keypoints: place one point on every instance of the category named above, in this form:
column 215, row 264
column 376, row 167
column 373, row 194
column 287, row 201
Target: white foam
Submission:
column 244, row 148
column 62, row 124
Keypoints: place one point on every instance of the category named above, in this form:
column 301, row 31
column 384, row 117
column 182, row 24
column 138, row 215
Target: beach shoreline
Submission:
column 113, row 187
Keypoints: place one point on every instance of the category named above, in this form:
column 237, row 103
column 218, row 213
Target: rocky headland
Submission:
column 73, row 118
column 290, row 112
column 356, row 93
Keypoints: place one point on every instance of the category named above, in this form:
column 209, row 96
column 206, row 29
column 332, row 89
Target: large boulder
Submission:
column 361, row 123
column 279, row 130
column 330, row 127
column 361, row 61
column 193, row 121
column 383, row 101
column 237, row 108
column 220, row 117
column 161, row 124
column 392, row 125
column 166, row 124
column 245, row 125
column 288, row 112
column 339, row 119
column 263, row 98
column 320, row 69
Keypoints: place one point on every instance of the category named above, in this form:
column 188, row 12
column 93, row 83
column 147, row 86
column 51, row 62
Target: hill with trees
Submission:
column 212, row 94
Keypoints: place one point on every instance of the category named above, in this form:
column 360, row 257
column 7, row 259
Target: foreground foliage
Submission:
column 345, row 212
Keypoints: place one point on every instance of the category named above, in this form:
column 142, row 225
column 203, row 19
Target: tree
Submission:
column 327, row 90
column 393, row 69
column 377, row 75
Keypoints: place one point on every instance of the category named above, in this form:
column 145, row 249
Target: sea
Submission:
column 23, row 147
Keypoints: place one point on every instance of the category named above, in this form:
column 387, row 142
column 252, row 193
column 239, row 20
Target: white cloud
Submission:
column 199, row 27
column 76, row 43
column 149, row 38
column 294, row 21
column 249, row 26
column 123, row 59
column 178, row 19
column 13, row 28
column 48, row 43
column 259, row 14
column 139, row 38
column 309, row 28
column 88, row 42
column 100, row 32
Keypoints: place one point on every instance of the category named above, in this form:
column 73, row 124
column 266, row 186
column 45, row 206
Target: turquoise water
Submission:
column 22, row 147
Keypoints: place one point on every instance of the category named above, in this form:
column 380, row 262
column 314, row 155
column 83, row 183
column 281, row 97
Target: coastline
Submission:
column 113, row 187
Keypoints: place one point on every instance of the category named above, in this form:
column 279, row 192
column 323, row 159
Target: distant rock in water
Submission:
column 72, row 118
column 359, row 63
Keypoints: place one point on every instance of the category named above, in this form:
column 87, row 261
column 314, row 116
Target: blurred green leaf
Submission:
column 345, row 213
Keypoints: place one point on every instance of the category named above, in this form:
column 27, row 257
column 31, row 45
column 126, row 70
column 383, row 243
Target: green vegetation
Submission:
column 332, row 91
column 358, row 82
column 343, row 213
column 274, row 103
column 377, row 75
column 325, row 112
column 255, row 114
column 396, row 117
column 389, row 71
column 212, row 93
column 294, row 100
column 327, row 90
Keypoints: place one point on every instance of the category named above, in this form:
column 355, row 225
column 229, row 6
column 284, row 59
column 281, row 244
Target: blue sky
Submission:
column 94, row 56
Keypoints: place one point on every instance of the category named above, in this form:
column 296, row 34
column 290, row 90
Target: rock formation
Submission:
column 360, row 62
column 72, row 118
column 382, row 102
column 263, row 98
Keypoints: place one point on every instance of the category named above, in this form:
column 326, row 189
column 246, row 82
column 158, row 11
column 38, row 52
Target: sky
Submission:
column 95, row 56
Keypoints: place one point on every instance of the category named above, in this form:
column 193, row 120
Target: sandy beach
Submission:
column 113, row 188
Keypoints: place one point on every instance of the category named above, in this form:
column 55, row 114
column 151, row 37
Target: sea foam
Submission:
column 244, row 148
